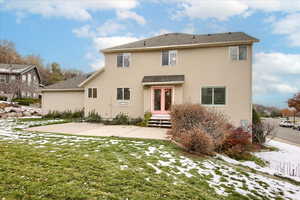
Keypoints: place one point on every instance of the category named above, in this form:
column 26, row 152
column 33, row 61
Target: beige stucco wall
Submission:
column 201, row 67
column 62, row 101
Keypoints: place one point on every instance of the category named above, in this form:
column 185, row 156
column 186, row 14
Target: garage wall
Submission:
column 62, row 101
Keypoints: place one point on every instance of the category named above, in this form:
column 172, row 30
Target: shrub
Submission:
column 64, row 115
column 194, row 116
column 238, row 144
column 262, row 130
column 255, row 117
column 26, row 101
column 196, row 140
column 93, row 117
column 135, row 121
column 3, row 98
column 147, row 117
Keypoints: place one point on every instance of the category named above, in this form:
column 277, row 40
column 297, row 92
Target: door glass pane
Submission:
column 206, row 96
column 157, row 99
column 219, row 96
column 126, row 94
column 168, row 99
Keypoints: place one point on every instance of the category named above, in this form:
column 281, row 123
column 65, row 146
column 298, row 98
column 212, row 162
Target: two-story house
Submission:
column 19, row 81
column 153, row 74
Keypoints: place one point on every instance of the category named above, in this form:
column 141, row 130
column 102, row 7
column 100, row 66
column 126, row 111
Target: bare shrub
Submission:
column 195, row 140
column 262, row 130
column 191, row 117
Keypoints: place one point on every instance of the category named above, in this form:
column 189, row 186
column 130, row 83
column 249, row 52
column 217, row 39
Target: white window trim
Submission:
column 123, row 59
column 123, row 94
column 238, row 52
column 169, row 58
column 215, row 105
column 92, row 94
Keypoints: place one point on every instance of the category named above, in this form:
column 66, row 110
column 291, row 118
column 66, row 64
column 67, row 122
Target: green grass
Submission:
column 53, row 166
column 37, row 173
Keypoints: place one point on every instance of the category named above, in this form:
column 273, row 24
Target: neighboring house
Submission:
column 153, row 74
column 19, row 81
column 63, row 96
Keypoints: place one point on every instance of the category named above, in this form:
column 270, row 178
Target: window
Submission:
column 29, row 79
column 238, row 52
column 92, row 93
column 213, row 96
column 123, row 94
column 23, row 78
column 12, row 77
column 2, row 78
column 123, row 60
column 168, row 58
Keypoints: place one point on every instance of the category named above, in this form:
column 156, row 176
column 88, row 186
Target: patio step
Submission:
column 159, row 122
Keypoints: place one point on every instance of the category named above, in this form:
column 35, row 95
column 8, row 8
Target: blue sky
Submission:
column 72, row 32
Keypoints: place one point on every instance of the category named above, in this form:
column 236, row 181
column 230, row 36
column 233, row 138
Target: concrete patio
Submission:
column 90, row 129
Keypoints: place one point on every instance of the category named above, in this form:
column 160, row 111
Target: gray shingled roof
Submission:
column 67, row 84
column 173, row 39
column 14, row 68
column 163, row 78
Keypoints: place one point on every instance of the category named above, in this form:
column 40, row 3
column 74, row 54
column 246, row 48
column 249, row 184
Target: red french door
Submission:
column 162, row 98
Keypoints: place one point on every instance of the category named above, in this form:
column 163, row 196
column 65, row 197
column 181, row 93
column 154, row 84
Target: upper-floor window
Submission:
column 123, row 60
column 2, row 78
column 168, row 58
column 238, row 52
column 213, row 95
column 123, row 94
column 92, row 93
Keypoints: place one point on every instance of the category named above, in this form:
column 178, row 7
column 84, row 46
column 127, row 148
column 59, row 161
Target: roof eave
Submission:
column 63, row 90
column 91, row 77
column 184, row 46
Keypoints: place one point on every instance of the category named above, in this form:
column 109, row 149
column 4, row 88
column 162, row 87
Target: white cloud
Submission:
column 222, row 10
column 290, row 27
column 276, row 73
column 84, row 31
column 100, row 39
column 190, row 28
column 70, row 9
column 126, row 14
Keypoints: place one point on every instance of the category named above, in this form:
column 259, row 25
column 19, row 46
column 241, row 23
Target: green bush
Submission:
column 93, row 117
column 64, row 115
column 26, row 101
column 120, row 119
column 147, row 117
column 3, row 98
column 135, row 121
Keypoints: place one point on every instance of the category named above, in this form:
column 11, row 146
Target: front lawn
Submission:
column 55, row 166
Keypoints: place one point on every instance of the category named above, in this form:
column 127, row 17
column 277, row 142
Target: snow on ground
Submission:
column 221, row 177
column 285, row 162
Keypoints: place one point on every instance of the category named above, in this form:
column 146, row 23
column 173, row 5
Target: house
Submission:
column 19, row 81
column 63, row 96
column 153, row 74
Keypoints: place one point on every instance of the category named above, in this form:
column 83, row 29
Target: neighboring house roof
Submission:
column 152, row 80
column 18, row 69
column 15, row 68
column 185, row 40
column 70, row 84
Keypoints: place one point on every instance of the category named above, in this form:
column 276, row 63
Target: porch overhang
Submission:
column 163, row 80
